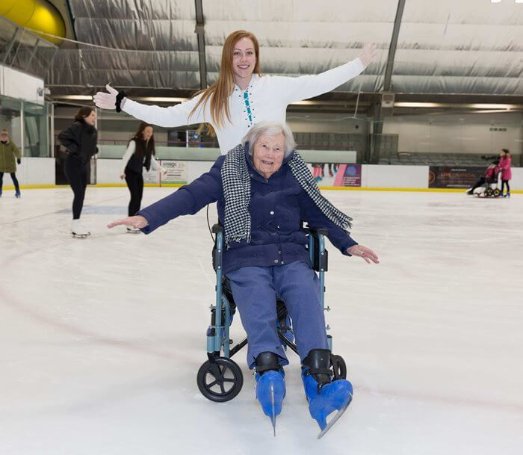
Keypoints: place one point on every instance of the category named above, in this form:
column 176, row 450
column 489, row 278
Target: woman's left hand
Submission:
column 364, row 252
column 368, row 54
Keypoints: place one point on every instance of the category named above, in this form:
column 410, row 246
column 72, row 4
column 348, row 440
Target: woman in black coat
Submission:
column 80, row 141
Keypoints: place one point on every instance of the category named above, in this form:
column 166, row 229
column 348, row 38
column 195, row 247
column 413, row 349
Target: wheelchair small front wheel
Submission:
column 339, row 367
column 220, row 379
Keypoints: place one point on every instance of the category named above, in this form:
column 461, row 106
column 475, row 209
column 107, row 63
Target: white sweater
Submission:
column 266, row 99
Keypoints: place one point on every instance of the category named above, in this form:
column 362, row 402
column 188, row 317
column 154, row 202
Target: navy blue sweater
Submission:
column 278, row 208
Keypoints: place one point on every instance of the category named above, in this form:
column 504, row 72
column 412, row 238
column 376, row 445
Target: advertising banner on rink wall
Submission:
column 151, row 177
column 336, row 174
column 176, row 172
column 454, row 177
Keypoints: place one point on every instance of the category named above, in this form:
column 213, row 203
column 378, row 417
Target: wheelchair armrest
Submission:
column 318, row 232
column 319, row 254
column 217, row 251
column 217, row 228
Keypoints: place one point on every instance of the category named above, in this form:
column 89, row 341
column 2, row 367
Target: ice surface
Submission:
column 101, row 339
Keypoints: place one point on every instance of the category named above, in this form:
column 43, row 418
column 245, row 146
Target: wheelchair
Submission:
column 220, row 379
column 489, row 189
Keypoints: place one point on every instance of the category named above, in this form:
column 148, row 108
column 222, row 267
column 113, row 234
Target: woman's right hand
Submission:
column 136, row 221
column 105, row 100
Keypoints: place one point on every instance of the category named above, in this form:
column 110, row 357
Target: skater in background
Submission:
column 80, row 140
column 139, row 155
column 9, row 156
column 333, row 168
column 318, row 171
column 241, row 96
column 504, row 166
column 264, row 191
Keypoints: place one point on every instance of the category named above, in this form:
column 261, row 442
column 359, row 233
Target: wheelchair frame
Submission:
column 219, row 378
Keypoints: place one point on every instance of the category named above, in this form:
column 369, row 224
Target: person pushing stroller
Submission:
column 487, row 180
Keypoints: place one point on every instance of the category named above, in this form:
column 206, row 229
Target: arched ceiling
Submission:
column 446, row 49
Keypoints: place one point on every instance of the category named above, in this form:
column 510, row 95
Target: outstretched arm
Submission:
column 293, row 89
column 187, row 200
column 155, row 115
column 340, row 238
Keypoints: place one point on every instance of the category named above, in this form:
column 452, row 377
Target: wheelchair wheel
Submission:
column 496, row 193
column 220, row 380
column 339, row 367
column 489, row 192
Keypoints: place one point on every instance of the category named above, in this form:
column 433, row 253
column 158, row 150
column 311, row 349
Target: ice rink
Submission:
column 101, row 339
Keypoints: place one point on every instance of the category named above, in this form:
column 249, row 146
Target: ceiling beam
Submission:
column 372, row 154
column 387, row 81
column 200, row 32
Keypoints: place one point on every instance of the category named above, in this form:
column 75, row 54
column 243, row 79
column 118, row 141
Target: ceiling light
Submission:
column 416, row 104
column 505, row 107
column 161, row 99
column 490, row 106
column 75, row 97
column 304, row 103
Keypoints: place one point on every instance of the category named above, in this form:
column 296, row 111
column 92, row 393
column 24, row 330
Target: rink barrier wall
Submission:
column 40, row 173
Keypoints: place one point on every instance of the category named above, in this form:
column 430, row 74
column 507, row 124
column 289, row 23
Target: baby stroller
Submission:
column 220, row 379
column 487, row 185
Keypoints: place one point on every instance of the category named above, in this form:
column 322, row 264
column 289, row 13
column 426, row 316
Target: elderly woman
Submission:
column 264, row 192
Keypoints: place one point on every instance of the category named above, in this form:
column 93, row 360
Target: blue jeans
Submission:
column 255, row 289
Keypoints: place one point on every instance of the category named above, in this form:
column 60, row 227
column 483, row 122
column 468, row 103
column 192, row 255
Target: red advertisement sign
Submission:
column 453, row 177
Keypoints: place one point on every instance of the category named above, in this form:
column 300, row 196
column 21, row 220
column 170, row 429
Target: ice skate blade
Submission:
column 273, row 421
column 133, row 231
column 80, row 236
column 334, row 419
column 273, row 417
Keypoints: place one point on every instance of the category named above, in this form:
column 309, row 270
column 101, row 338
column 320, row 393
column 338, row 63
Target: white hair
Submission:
column 270, row 129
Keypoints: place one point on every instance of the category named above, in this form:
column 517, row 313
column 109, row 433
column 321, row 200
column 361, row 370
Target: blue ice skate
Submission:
column 324, row 395
column 270, row 386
